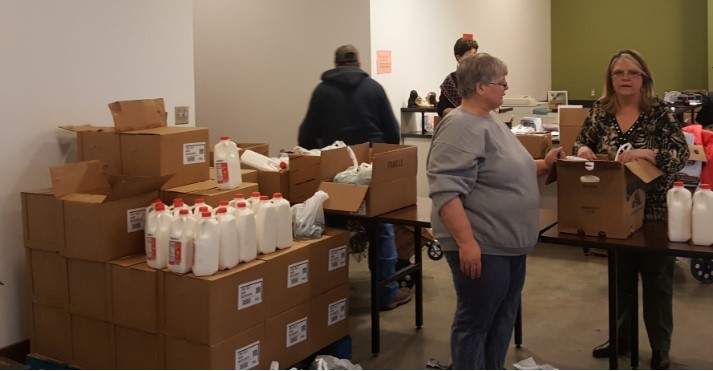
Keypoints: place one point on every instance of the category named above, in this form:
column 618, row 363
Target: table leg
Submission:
column 613, row 312
column 374, row 269
column 418, row 275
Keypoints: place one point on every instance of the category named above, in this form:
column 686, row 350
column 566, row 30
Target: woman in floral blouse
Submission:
column 629, row 112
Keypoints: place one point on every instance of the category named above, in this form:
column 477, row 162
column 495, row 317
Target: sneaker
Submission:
column 602, row 351
column 403, row 296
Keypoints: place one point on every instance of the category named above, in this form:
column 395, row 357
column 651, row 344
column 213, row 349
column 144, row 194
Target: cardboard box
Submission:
column 92, row 344
column 287, row 336
column 334, row 161
column 42, row 220
column 103, row 216
column 287, row 278
column 98, row 143
column 138, row 350
column 139, row 114
column 261, row 148
column 167, row 150
column 207, row 190
column 243, row 351
column 51, row 332
column 536, row 144
column 329, row 261
column 329, row 316
column 393, row 183
column 210, row 309
column 571, row 121
column 602, row 197
column 133, row 284
column 297, row 184
column 88, row 292
column 48, row 277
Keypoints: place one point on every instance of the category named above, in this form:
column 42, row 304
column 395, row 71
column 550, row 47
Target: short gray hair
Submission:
column 481, row 67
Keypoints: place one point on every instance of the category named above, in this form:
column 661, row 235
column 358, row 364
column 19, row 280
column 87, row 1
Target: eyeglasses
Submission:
column 627, row 74
column 503, row 84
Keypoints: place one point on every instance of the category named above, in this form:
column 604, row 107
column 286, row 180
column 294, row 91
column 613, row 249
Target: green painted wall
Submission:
column 671, row 34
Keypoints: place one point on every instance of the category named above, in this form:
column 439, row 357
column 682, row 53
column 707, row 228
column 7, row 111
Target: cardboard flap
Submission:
column 697, row 153
column 124, row 186
column 194, row 187
column 643, row 169
column 343, row 197
column 86, row 128
column 79, row 177
column 138, row 114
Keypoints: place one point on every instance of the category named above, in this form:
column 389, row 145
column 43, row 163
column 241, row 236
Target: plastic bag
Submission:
column 355, row 175
column 327, row 362
column 308, row 217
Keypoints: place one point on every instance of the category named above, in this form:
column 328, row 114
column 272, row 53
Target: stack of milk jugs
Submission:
column 204, row 240
column 690, row 218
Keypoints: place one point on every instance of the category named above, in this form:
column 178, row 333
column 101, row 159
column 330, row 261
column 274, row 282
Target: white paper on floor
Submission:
column 530, row 364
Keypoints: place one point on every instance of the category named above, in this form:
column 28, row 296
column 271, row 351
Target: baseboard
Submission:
column 17, row 351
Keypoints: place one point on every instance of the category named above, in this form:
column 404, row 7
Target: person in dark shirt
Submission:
column 350, row 106
column 450, row 98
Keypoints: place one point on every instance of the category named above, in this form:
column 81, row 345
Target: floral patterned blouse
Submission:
column 655, row 129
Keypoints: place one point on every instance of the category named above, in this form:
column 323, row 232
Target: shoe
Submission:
column 660, row 360
column 403, row 296
column 602, row 351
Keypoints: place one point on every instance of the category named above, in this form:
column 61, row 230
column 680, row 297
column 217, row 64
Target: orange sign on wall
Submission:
column 383, row 61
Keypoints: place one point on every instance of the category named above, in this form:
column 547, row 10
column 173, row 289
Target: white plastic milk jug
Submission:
column 284, row 221
column 702, row 216
column 158, row 227
column 226, row 205
column 236, row 199
column 254, row 198
column 207, row 245
column 200, row 202
column 229, row 252
column 247, row 232
column 678, row 200
column 151, row 207
column 178, row 205
column 227, row 164
column 265, row 223
column 257, row 204
column 180, row 243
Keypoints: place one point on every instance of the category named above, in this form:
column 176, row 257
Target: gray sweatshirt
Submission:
column 479, row 160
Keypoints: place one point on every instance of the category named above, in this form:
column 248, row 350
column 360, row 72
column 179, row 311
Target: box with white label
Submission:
column 287, row 336
column 287, row 278
column 329, row 256
column 210, row 309
column 244, row 351
column 329, row 315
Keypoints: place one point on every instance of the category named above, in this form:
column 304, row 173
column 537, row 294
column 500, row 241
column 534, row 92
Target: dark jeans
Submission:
column 657, row 282
column 486, row 311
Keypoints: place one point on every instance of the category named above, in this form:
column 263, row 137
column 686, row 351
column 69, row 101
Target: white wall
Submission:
column 62, row 62
column 421, row 34
column 257, row 62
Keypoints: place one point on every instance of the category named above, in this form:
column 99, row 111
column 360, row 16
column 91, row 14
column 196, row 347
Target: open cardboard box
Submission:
column 393, row 183
column 570, row 124
column 602, row 198
column 130, row 115
column 207, row 190
column 103, row 214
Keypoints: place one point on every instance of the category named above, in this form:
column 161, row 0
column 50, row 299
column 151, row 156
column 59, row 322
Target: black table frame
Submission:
column 651, row 238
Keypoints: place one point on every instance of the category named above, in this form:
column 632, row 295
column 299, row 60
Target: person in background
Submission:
column 629, row 112
column 475, row 159
column 450, row 98
column 350, row 106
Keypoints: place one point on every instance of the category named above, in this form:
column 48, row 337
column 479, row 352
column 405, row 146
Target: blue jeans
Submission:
column 386, row 253
column 486, row 311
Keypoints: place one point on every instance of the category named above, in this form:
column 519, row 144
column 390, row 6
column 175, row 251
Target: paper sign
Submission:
column 468, row 36
column 383, row 61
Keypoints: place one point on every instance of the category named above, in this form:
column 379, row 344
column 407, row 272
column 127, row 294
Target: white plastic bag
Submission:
column 327, row 362
column 355, row 175
column 308, row 217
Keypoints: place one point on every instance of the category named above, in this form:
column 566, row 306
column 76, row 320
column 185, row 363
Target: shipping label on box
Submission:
column 249, row 294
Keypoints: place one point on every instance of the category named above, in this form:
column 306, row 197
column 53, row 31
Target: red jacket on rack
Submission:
column 704, row 138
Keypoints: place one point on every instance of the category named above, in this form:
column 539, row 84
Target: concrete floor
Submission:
column 564, row 316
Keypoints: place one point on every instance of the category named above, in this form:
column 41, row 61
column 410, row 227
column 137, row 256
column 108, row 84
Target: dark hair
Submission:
column 609, row 101
column 463, row 45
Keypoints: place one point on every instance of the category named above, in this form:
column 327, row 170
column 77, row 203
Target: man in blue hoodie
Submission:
column 350, row 106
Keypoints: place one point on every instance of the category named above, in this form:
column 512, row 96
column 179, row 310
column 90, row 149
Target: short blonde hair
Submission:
column 609, row 101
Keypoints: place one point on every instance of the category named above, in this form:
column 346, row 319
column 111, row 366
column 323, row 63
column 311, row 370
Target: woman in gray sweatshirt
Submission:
column 483, row 184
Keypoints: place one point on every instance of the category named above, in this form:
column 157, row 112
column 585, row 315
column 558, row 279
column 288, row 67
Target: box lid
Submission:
column 641, row 168
column 86, row 181
column 138, row 114
column 87, row 128
column 165, row 130
column 343, row 197
column 697, row 153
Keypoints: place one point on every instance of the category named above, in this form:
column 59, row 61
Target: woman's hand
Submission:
column 633, row 154
column 586, row 153
column 553, row 155
column 470, row 263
